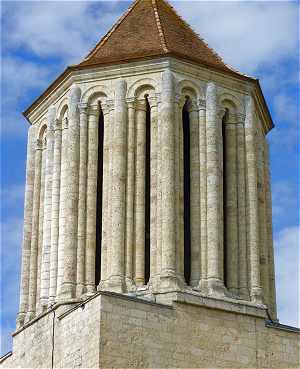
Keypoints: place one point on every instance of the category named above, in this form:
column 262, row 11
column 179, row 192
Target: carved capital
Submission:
column 93, row 110
column 152, row 102
column 178, row 99
column 44, row 143
column 221, row 113
column 131, row 102
column 57, row 125
column 83, row 107
column 158, row 97
column 65, row 123
column 193, row 106
column 240, row 118
column 39, row 144
column 202, row 104
column 141, row 104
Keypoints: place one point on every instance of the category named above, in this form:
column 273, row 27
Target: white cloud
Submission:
column 246, row 34
column 19, row 77
column 284, row 196
column 287, row 275
column 65, row 29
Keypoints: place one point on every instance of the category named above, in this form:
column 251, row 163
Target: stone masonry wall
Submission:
column 113, row 331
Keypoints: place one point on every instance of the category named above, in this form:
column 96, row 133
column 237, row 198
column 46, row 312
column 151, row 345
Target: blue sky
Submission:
column 40, row 38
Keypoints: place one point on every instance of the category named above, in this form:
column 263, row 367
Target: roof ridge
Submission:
column 159, row 27
column 188, row 26
column 109, row 33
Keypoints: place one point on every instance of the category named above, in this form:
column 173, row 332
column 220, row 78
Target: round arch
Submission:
column 190, row 89
column 231, row 102
column 95, row 93
column 42, row 129
column 62, row 108
column 144, row 85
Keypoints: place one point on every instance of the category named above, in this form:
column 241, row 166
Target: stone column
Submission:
column 194, row 195
column 27, row 229
column 116, row 281
column 153, row 187
column 105, row 192
column 272, row 291
column 110, row 185
column 242, row 239
column 70, row 249
column 46, row 249
column 35, row 231
column 159, row 196
column 179, row 185
column 140, row 173
column 168, row 279
column 261, row 187
column 62, row 204
column 81, row 236
column 91, row 201
column 55, row 210
column 253, row 242
column 231, row 209
column 130, row 190
column 41, row 222
column 214, row 203
column 203, row 193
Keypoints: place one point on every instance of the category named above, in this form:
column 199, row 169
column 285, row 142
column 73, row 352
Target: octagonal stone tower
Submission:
column 148, row 227
column 148, row 174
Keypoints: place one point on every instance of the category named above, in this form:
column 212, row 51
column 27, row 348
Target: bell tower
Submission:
column 148, row 174
column 147, row 183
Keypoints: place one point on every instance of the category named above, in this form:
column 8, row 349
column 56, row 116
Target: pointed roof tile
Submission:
column 152, row 28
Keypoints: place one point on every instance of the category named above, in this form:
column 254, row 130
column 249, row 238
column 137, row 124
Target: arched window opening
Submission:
column 224, row 120
column 147, row 190
column 186, row 187
column 99, row 197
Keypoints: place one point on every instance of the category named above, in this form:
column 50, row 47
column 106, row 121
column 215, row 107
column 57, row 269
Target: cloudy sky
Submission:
column 40, row 38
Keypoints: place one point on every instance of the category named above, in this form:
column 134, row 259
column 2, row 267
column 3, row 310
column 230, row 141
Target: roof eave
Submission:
column 48, row 90
column 228, row 71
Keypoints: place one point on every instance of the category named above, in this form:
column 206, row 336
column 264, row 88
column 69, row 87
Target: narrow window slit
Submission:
column 224, row 196
column 99, row 198
column 186, row 186
column 147, row 191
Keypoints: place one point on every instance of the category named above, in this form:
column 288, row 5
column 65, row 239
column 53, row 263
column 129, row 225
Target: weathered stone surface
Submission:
column 115, row 331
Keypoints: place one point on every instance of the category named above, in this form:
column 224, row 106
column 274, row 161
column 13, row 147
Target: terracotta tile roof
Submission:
column 152, row 28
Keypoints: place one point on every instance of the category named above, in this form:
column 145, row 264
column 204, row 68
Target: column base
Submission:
column 29, row 316
column 233, row 293
column 80, row 290
column 202, row 286
column 90, row 289
column 20, row 320
column 130, row 285
column 215, row 287
column 244, row 293
column 256, row 295
column 114, row 283
column 67, row 292
column 170, row 281
column 194, row 283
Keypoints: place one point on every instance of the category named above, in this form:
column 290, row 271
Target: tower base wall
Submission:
column 115, row 331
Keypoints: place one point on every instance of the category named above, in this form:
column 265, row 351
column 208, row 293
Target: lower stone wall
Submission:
column 112, row 331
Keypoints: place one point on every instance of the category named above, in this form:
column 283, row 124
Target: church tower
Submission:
column 147, row 183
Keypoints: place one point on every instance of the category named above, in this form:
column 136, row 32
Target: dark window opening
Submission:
column 147, row 191
column 224, row 197
column 186, row 190
column 99, row 199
